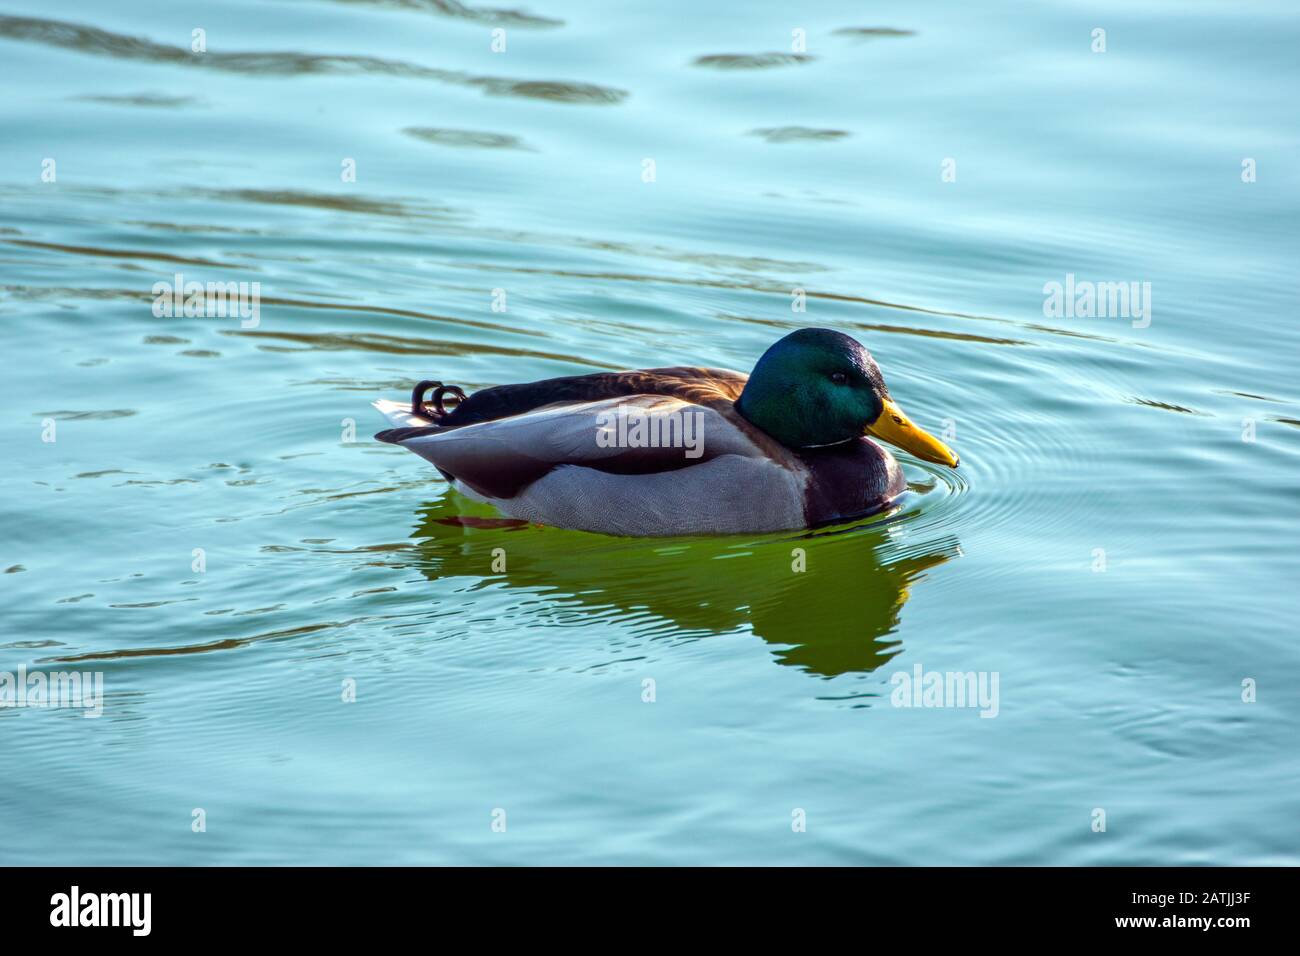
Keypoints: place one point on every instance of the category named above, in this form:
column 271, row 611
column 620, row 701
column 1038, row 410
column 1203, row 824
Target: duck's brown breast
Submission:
column 853, row 478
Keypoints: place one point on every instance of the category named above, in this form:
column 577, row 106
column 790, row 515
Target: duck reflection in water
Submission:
column 825, row 600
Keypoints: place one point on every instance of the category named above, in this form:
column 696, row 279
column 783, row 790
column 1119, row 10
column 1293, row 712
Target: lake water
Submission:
column 648, row 185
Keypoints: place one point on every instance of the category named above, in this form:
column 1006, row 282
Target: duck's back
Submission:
column 710, row 387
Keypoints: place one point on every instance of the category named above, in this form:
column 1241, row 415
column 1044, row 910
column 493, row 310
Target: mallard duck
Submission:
column 675, row 451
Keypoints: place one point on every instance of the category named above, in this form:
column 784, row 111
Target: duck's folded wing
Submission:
column 701, row 386
column 643, row 434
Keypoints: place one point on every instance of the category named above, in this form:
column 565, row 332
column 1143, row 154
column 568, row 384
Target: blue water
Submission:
column 647, row 186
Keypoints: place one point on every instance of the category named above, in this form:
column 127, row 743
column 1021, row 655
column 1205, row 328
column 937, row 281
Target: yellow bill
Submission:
column 897, row 429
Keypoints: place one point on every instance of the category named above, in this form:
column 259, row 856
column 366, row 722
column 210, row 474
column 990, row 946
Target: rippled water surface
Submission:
column 1112, row 546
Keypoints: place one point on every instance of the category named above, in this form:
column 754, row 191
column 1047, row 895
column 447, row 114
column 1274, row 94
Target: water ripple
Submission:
column 798, row 134
column 752, row 61
column 459, row 11
column 872, row 33
column 86, row 39
column 465, row 138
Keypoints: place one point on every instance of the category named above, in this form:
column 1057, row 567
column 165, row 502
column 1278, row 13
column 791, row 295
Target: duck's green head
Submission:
column 819, row 387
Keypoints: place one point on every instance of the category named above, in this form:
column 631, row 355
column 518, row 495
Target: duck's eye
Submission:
column 839, row 378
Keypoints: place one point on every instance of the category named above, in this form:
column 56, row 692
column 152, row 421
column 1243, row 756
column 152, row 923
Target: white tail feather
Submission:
column 399, row 413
